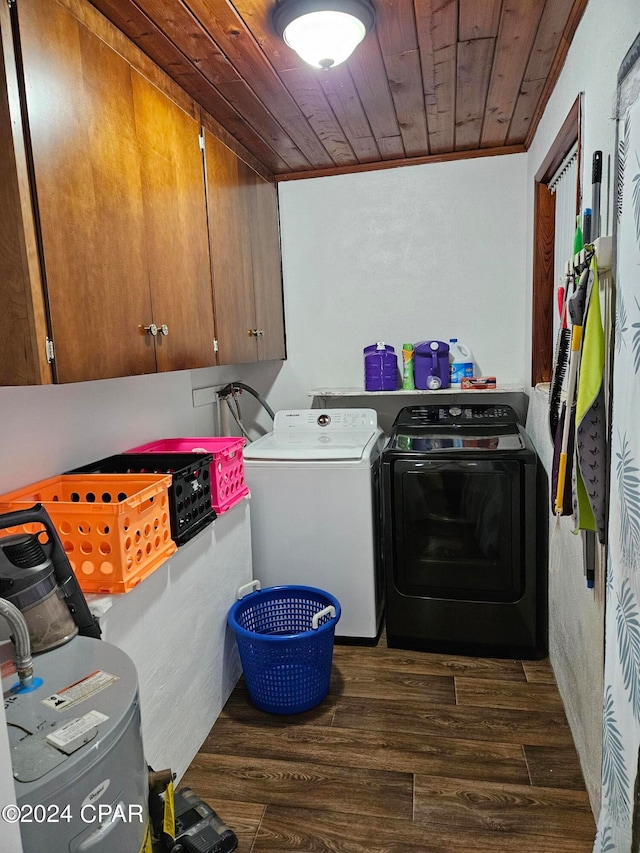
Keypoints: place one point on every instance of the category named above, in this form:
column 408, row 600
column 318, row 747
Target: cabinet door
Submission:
column 23, row 324
column 230, row 240
column 89, row 196
column 176, row 229
column 267, row 268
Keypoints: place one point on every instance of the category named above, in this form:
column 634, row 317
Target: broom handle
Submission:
column 576, row 340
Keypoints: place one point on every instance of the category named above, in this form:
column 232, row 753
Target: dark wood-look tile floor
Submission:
column 409, row 753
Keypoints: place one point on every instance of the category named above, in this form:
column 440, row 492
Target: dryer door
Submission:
column 457, row 529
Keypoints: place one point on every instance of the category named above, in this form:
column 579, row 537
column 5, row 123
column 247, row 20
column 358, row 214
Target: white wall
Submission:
column 405, row 254
column 174, row 628
column 577, row 614
column 603, row 37
column 47, row 430
column 576, row 621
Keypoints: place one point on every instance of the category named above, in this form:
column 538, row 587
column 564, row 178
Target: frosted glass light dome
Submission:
column 323, row 32
column 325, row 39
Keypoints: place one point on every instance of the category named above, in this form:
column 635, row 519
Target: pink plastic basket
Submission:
column 227, row 469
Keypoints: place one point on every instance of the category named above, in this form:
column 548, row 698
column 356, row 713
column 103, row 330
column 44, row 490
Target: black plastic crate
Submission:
column 190, row 508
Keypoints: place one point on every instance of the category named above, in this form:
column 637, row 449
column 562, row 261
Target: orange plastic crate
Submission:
column 115, row 528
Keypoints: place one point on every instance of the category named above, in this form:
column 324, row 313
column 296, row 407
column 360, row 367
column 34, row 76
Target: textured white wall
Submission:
column 173, row 626
column 406, row 254
column 577, row 614
column 50, row 429
column 604, row 35
column 576, row 621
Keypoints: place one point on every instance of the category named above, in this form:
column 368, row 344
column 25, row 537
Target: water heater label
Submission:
column 71, row 731
column 81, row 690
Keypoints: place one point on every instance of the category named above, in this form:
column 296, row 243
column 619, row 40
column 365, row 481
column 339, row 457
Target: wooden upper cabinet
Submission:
column 86, row 165
column 176, row 229
column 116, row 243
column 112, row 173
column 231, row 264
column 245, row 258
column 267, row 268
column 23, row 324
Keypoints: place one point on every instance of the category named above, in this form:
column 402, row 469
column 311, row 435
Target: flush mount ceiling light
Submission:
column 323, row 32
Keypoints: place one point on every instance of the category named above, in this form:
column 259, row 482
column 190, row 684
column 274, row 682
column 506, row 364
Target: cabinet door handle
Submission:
column 260, row 333
column 154, row 330
column 253, row 333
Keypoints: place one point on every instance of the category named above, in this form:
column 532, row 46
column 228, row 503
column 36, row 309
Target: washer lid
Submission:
column 310, row 445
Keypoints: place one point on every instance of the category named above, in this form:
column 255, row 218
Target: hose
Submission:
column 237, row 417
column 21, row 641
column 236, row 386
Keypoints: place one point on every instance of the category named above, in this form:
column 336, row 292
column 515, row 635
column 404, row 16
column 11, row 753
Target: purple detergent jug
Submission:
column 380, row 368
column 431, row 365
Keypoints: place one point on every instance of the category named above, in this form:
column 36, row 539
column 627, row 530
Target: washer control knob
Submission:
column 324, row 420
column 455, row 411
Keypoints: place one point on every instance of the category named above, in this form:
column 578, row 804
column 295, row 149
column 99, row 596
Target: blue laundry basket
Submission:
column 285, row 638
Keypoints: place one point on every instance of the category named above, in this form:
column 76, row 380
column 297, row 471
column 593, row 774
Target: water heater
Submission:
column 79, row 771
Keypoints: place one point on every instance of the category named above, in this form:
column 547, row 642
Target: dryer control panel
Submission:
column 464, row 414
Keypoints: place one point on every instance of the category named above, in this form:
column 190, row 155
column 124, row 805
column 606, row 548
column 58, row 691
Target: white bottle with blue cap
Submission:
column 461, row 365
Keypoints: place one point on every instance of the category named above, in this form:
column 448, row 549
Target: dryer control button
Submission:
column 455, row 411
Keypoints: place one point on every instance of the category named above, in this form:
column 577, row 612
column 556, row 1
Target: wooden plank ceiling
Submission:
column 433, row 79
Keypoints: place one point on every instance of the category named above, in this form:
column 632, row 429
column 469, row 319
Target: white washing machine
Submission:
column 314, row 510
